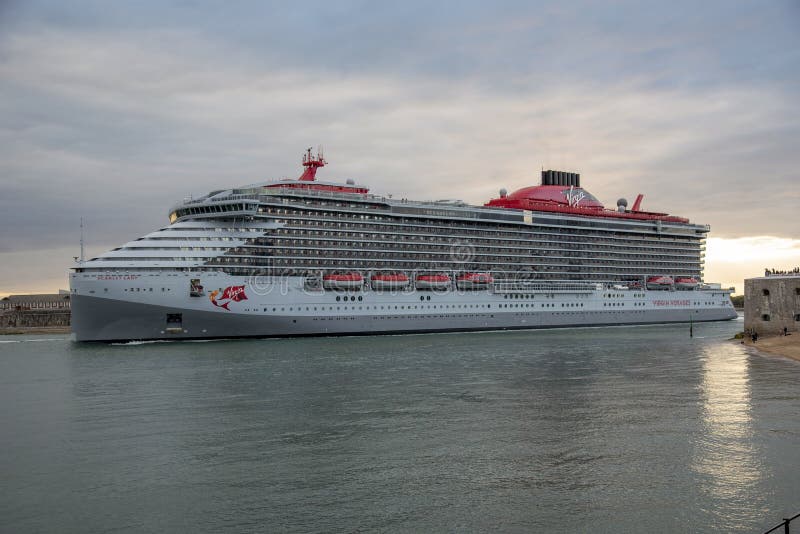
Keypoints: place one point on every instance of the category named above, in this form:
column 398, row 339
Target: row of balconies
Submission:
column 285, row 245
column 355, row 263
column 423, row 230
column 495, row 229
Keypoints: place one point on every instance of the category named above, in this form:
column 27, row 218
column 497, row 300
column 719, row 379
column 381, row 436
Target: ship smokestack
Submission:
column 551, row 177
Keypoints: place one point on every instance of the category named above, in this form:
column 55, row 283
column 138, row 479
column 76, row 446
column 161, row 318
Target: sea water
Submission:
column 629, row 429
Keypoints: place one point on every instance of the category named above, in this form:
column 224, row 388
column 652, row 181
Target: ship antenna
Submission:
column 82, row 258
column 312, row 164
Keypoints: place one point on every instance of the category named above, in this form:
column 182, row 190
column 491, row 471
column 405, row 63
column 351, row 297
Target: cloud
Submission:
column 115, row 114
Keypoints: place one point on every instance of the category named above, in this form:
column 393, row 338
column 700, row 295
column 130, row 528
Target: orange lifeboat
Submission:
column 660, row 282
column 389, row 281
column 343, row 281
column 433, row 281
column 686, row 283
column 473, row 280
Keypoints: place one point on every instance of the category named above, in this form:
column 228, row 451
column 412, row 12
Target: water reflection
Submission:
column 725, row 455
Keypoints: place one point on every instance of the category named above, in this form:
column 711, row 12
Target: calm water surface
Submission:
column 635, row 429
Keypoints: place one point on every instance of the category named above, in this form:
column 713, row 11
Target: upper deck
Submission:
column 559, row 197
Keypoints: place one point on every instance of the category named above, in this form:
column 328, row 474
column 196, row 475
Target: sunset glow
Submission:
column 731, row 260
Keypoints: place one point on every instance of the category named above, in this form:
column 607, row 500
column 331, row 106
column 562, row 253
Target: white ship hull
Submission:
column 308, row 257
column 158, row 306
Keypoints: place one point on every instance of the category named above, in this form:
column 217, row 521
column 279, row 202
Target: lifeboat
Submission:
column 686, row 282
column 660, row 282
column 433, row 281
column 389, row 281
column 473, row 280
column 343, row 281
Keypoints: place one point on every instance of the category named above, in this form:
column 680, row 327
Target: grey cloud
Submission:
column 114, row 113
column 680, row 43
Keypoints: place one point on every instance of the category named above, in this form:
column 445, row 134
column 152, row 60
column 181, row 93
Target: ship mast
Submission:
column 311, row 164
column 82, row 258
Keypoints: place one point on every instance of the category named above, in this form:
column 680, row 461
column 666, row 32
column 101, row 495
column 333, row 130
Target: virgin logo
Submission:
column 221, row 298
column 574, row 197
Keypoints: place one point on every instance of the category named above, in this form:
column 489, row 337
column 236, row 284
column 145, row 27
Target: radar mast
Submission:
column 311, row 164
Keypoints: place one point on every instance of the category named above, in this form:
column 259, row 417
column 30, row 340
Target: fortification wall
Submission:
column 34, row 319
column 772, row 303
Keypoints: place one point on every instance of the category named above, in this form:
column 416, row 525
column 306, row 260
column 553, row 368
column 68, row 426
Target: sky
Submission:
column 114, row 111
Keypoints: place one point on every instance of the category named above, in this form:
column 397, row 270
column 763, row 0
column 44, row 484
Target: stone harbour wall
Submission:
column 771, row 304
column 34, row 319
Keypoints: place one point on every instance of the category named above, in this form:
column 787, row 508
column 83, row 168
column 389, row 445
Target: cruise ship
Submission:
column 304, row 256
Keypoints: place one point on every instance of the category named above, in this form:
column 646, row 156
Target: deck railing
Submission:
column 784, row 524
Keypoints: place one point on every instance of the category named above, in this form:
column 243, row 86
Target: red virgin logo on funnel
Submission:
column 222, row 297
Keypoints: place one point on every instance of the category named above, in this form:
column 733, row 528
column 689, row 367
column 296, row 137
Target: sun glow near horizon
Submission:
column 731, row 260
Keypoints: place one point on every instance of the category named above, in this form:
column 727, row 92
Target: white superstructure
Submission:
column 302, row 257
